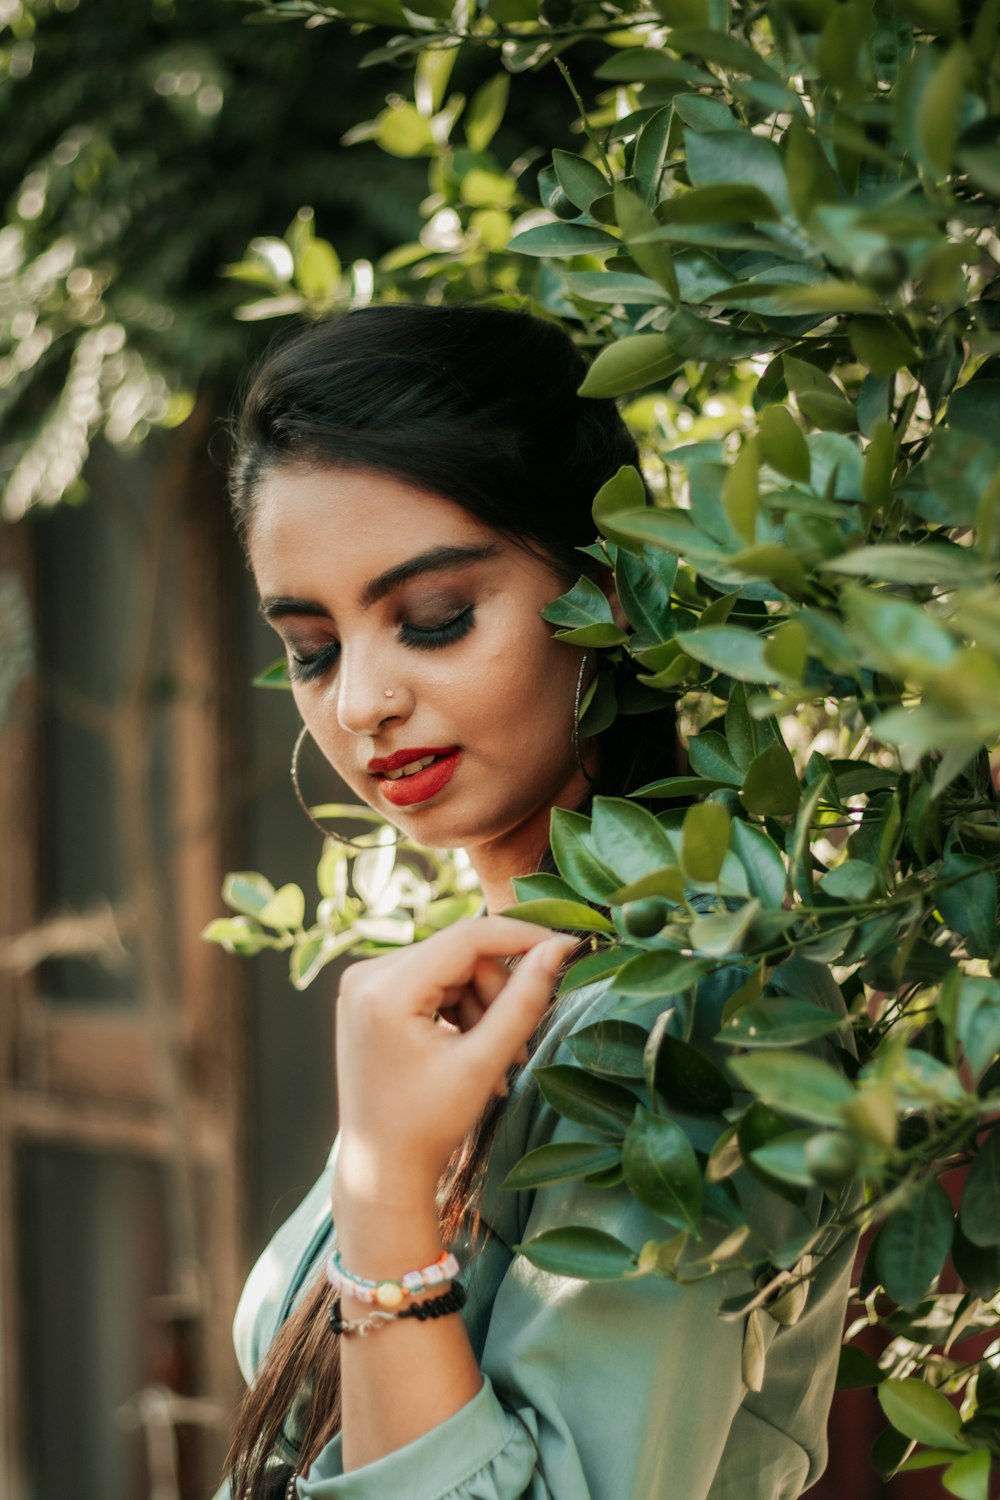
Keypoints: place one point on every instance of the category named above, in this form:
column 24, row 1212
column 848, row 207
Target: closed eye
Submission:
column 418, row 637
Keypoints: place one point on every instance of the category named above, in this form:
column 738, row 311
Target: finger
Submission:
column 448, row 959
column 488, row 979
column 494, row 1044
column 469, row 1010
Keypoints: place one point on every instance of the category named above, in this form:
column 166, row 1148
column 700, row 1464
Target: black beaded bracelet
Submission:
column 433, row 1307
column 437, row 1307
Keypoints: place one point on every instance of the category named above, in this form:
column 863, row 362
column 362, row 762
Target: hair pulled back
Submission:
column 478, row 405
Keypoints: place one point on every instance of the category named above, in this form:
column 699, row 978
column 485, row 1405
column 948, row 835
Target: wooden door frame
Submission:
column 165, row 1082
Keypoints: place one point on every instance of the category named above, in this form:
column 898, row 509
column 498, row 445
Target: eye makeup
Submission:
column 305, row 668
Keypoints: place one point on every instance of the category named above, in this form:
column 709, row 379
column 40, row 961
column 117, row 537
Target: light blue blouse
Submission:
column 626, row 1390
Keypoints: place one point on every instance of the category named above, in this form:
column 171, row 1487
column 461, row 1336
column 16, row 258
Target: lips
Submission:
column 404, row 791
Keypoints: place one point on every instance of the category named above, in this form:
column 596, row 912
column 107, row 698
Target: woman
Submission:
column 413, row 485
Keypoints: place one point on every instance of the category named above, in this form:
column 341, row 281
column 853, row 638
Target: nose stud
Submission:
column 387, row 692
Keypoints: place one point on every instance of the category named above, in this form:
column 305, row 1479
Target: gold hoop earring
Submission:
column 575, row 736
column 327, row 833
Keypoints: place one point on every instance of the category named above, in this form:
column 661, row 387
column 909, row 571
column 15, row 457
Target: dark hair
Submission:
column 481, row 406
column 477, row 404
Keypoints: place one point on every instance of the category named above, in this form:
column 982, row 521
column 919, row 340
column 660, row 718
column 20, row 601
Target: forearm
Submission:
column 404, row 1379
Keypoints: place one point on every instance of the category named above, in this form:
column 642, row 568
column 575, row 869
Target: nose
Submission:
column 363, row 680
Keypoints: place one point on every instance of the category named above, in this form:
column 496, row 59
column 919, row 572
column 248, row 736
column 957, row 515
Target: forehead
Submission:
column 356, row 522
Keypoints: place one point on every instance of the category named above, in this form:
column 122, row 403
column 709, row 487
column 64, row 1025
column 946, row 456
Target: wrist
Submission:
column 367, row 1184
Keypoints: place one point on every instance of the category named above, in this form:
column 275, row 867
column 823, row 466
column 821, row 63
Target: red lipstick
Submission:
column 404, row 791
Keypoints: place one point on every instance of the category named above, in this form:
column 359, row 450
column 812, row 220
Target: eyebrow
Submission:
column 433, row 561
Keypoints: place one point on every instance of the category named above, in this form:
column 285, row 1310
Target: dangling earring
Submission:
column 327, row 833
column 575, row 736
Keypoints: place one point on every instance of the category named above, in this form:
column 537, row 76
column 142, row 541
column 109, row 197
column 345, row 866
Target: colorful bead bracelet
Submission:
column 389, row 1295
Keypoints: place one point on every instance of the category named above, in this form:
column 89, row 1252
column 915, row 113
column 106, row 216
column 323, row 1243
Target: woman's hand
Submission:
column 424, row 1037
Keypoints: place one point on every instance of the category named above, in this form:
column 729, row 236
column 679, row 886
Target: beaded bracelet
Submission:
column 389, row 1295
column 434, row 1307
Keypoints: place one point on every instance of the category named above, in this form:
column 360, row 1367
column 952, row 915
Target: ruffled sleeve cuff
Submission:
column 481, row 1453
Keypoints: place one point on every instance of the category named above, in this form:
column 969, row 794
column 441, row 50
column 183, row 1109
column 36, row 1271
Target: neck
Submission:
column 498, row 861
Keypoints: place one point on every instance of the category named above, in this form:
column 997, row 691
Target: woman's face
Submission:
column 374, row 585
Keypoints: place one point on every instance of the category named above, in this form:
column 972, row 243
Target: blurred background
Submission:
column 162, row 1106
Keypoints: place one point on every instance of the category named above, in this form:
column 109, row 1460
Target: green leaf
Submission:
column 969, row 1476
column 980, row 1209
column 403, row 131
column 788, row 649
column 247, row 891
column 940, row 106
column 777, row 1021
column 679, row 787
column 912, row 1245
column 858, row 1370
column 970, row 907
column 879, row 463
column 614, row 287
column 486, row 110
column 560, row 1161
column 594, row 1102
column 661, row 1170
column 795, row 1083
column 738, row 653
column 762, row 861
column 629, row 840
column 611, row 1048
column 737, row 157
column 594, row 966
column 717, row 47
column 704, row 841
column 781, row 444
column 274, row 676
column 560, row 240
column 929, row 562
column 560, row 914
column 771, row 787
column 740, row 493
column 645, row 582
column 921, row 1413
column 720, row 203
column 635, row 220
column 785, row 1158
column 579, row 179
column 285, row 910
column 542, row 888
column 974, row 407
column 722, row 932
column 658, row 975
column 685, row 1077
column 853, row 881
column 811, row 178
column 575, row 857
column 585, row 615
column 664, row 882
column 625, row 490
column 587, row 1254
column 880, row 346
column 630, row 364
column 977, row 1265
column 710, row 755
column 651, row 65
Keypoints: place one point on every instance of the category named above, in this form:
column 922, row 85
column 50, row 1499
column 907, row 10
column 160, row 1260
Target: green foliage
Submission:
column 775, row 236
column 371, row 901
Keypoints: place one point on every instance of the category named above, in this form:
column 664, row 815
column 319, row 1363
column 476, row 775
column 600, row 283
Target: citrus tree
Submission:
column 778, row 240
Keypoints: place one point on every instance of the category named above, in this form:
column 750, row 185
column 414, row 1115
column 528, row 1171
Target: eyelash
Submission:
column 421, row 638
